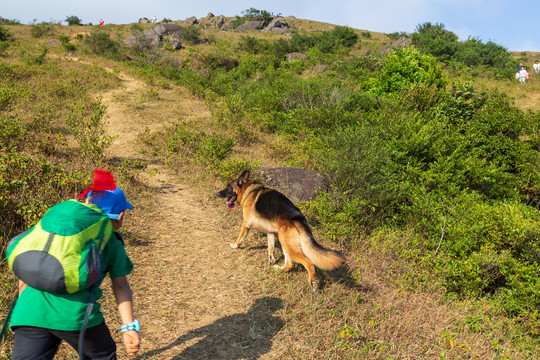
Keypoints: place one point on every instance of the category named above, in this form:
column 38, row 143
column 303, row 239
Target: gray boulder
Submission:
column 295, row 183
column 152, row 37
column 295, row 56
column 166, row 29
column 398, row 44
column 220, row 20
column 174, row 40
column 275, row 24
column 319, row 69
column 250, row 25
column 279, row 30
column 191, row 20
column 144, row 40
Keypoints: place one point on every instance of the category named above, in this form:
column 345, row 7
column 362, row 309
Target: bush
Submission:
column 88, row 127
column 280, row 48
column 22, row 175
column 69, row 47
column 250, row 44
column 5, row 34
column 41, row 30
column 73, row 20
column 434, row 39
column 341, row 36
column 191, row 34
column 444, row 45
column 254, row 14
column 407, row 67
column 327, row 42
column 100, row 43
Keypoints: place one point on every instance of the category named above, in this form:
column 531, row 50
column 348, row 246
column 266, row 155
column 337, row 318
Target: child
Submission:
column 41, row 320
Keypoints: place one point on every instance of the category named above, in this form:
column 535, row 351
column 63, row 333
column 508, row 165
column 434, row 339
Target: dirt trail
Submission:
column 187, row 296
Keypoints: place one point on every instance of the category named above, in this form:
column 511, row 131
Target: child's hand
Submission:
column 132, row 342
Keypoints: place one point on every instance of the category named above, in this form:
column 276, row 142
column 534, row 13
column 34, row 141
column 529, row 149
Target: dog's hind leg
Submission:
column 271, row 245
column 311, row 271
column 244, row 231
column 287, row 265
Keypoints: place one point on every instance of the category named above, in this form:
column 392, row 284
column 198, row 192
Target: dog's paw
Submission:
column 315, row 285
column 277, row 267
column 233, row 246
column 272, row 259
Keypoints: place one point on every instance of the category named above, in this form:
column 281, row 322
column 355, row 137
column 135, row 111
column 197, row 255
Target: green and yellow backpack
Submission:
column 62, row 252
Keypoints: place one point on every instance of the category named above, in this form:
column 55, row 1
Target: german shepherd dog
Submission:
column 271, row 212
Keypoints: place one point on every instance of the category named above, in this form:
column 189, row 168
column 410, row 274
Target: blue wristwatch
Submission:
column 131, row 326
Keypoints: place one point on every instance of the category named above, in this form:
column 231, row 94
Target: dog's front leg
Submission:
column 271, row 245
column 243, row 233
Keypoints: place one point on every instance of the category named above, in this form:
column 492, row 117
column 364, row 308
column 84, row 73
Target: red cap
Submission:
column 101, row 180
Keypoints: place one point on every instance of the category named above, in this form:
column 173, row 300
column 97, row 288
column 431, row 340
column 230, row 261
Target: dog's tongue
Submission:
column 230, row 204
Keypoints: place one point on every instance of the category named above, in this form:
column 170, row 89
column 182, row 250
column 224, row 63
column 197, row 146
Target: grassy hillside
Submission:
column 433, row 167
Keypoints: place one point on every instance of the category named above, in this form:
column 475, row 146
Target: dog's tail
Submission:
column 321, row 257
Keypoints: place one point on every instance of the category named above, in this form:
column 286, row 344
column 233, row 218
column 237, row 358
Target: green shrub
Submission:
column 39, row 59
column 237, row 22
column 4, row 45
column 397, row 35
column 73, row 20
column 136, row 28
column 496, row 58
column 88, row 127
column 69, row 47
column 250, row 44
column 327, row 42
column 444, row 45
column 41, row 30
column 191, row 34
column 280, row 48
column 100, row 43
column 7, row 94
column 185, row 142
column 5, row 34
column 29, row 184
column 407, row 67
column 254, row 14
column 342, row 36
column 23, row 174
column 64, row 39
column 434, row 39
column 11, row 22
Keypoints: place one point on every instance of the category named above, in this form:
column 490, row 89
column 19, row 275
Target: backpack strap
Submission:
column 8, row 316
column 89, row 308
column 49, row 241
column 101, row 236
column 92, row 299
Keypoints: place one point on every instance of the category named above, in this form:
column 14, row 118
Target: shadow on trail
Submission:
column 241, row 336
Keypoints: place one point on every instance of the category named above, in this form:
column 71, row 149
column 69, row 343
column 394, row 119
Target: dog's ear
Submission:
column 243, row 178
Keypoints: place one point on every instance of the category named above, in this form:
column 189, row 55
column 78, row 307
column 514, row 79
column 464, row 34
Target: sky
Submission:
column 515, row 27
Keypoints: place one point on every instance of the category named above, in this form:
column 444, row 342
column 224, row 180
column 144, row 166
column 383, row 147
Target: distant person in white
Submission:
column 536, row 67
column 154, row 19
column 522, row 75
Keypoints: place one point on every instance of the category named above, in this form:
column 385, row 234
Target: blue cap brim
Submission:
column 113, row 202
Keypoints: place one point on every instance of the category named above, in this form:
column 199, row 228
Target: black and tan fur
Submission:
column 271, row 212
